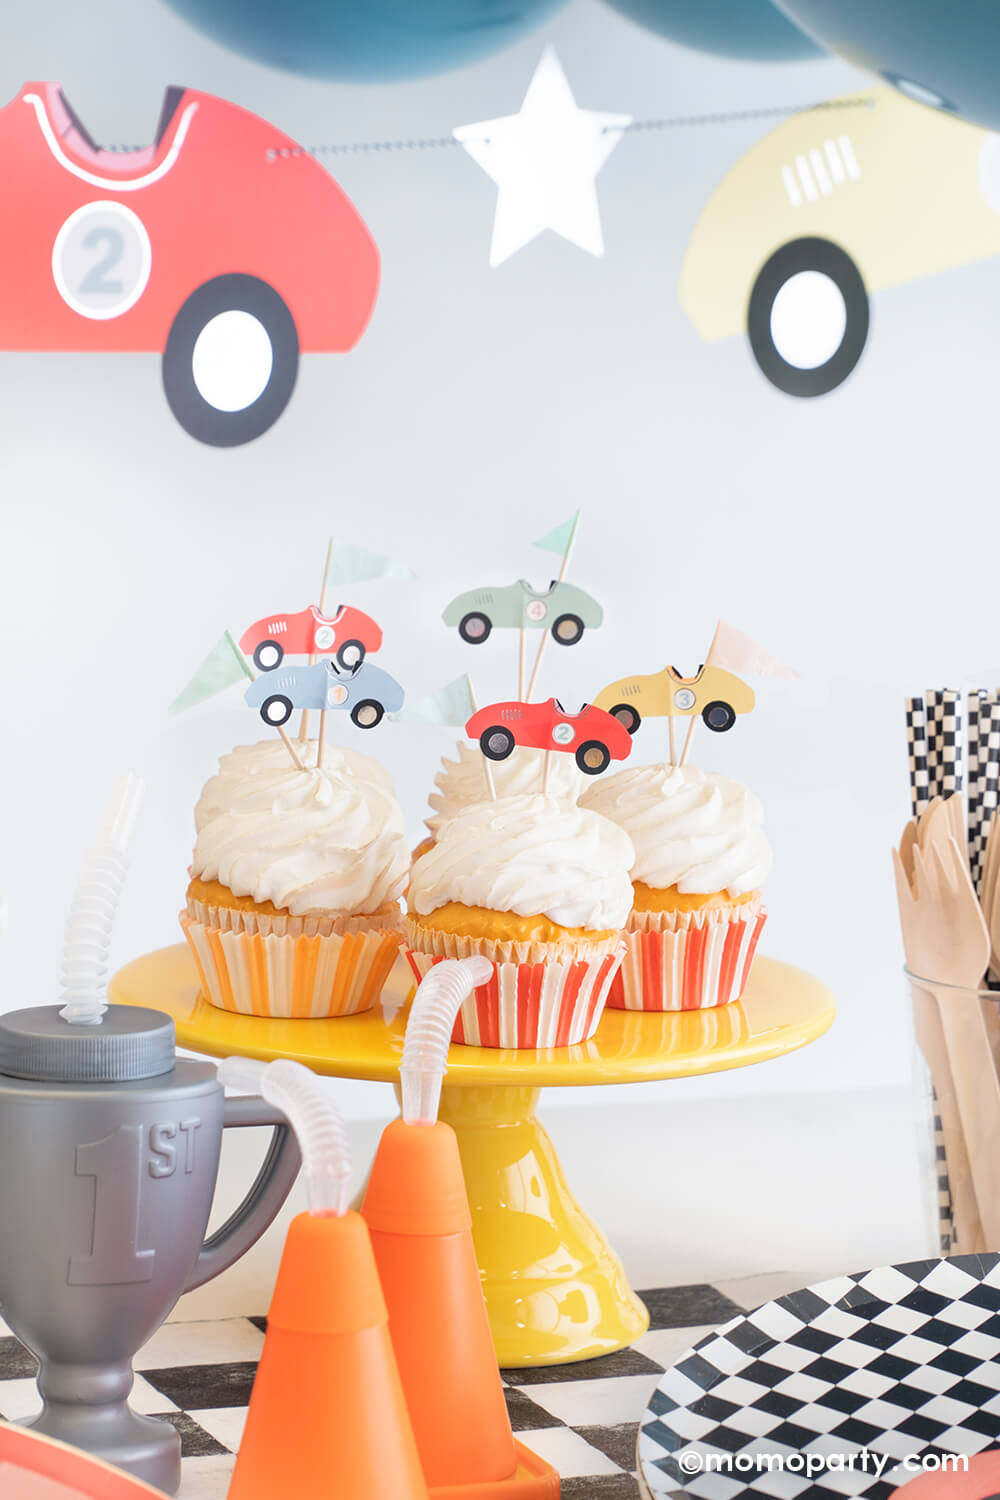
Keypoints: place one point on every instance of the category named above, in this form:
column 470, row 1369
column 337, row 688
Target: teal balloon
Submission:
column 366, row 41
column 749, row 29
column 945, row 53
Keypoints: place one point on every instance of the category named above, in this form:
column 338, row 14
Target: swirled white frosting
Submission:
column 462, row 782
column 247, row 765
column 697, row 831
column 531, row 854
column 308, row 841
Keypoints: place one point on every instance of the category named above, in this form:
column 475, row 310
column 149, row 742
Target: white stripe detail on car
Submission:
column 821, row 174
column 791, row 187
column 118, row 185
column 850, row 160
column 835, row 162
column 806, row 179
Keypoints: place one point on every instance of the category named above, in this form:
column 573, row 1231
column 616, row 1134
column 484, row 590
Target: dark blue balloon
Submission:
column 750, row 29
column 366, row 41
column 942, row 52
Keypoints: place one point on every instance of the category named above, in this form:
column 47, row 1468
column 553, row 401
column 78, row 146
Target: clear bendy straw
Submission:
column 437, row 1002
column 94, row 906
column 307, row 1103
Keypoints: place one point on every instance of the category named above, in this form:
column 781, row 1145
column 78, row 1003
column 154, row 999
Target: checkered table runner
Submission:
column 899, row 1361
column 583, row 1417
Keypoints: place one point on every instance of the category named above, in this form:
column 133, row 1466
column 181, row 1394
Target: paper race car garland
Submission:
column 103, row 255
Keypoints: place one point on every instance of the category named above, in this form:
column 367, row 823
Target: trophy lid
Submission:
column 127, row 1044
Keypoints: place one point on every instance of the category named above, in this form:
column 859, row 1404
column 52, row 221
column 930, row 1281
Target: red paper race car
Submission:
column 222, row 246
column 594, row 737
column 349, row 635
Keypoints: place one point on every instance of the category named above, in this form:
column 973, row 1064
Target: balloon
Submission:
column 941, row 52
column 366, row 41
column 750, row 29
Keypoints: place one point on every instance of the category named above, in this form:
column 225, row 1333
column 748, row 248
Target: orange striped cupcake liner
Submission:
column 301, row 976
column 694, row 967
column 531, row 1004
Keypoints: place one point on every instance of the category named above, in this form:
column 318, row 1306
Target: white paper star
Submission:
column 544, row 162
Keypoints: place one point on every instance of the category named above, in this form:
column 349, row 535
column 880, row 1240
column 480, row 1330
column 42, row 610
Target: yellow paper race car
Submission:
column 714, row 693
column 833, row 205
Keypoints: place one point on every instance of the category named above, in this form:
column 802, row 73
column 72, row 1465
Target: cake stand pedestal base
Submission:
column 555, row 1290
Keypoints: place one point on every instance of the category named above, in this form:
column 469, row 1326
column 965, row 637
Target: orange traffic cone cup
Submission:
column 327, row 1415
column 417, row 1211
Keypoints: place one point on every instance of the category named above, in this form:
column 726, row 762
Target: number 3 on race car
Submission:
column 101, row 260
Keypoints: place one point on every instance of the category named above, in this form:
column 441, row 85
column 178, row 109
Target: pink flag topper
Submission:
column 736, row 652
column 595, row 738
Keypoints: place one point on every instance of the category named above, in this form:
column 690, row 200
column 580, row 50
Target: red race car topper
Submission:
column 349, row 635
column 595, row 738
column 222, row 246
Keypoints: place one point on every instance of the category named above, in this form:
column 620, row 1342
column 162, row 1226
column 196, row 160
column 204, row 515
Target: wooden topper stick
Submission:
column 290, row 748
column 520, row 665
column 545, row 633
column 487, row 768
column 687, row 740
column 321, row 745
column 304, row 721
column 673, row 741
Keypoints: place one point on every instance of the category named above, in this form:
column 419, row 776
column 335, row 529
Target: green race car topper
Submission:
column 562, row 608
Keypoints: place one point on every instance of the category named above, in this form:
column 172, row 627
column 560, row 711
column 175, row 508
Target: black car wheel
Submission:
column 231, row 360
column 567, row 630
column 276, row 710
column 475, row 628
column 719, row 716
column 350, row 655
column 592, row 757
column 808, row 317
column 267, row 655
column 627, row 715
column 496, row 743
column 367, row 713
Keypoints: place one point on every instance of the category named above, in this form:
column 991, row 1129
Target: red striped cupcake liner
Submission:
column 531, row 1004
column 693, row 968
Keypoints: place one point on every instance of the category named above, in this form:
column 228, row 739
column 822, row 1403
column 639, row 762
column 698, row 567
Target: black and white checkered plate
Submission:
column 903, row 1360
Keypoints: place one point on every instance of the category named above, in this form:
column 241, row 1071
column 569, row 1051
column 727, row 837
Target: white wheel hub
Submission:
column 808, row 320
column 232, row 360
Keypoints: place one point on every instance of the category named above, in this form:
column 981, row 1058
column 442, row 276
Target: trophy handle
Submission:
column 274, row 1182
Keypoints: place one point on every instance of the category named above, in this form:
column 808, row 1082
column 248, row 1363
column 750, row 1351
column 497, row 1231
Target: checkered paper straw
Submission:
column 945, row 741
column 946, row 1228
column 984, row 779
column 916, row 745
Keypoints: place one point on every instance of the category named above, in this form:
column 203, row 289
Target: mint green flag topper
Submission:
column 347, row 564
column 453, row 704
column 224, row 665
column 560, row 539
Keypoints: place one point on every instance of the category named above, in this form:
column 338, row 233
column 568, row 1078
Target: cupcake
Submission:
column 541, row 887
column 462, row 782
column 293, row 906
column 700, row 858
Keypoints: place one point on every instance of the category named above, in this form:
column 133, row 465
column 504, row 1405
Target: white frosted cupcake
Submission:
column 539, row 886
column 700, row 858
column 293, row 905
column 461, row 783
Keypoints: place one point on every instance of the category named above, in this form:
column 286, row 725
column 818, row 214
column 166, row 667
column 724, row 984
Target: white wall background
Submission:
column 851, row 535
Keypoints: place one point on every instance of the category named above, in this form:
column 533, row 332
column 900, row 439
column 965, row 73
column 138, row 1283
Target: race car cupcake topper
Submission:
column 347, row 633
column 594, row 738
column 562, row 610
column 714, row 694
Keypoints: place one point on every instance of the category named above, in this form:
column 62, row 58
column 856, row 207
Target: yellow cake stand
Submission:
column 555, row 1289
